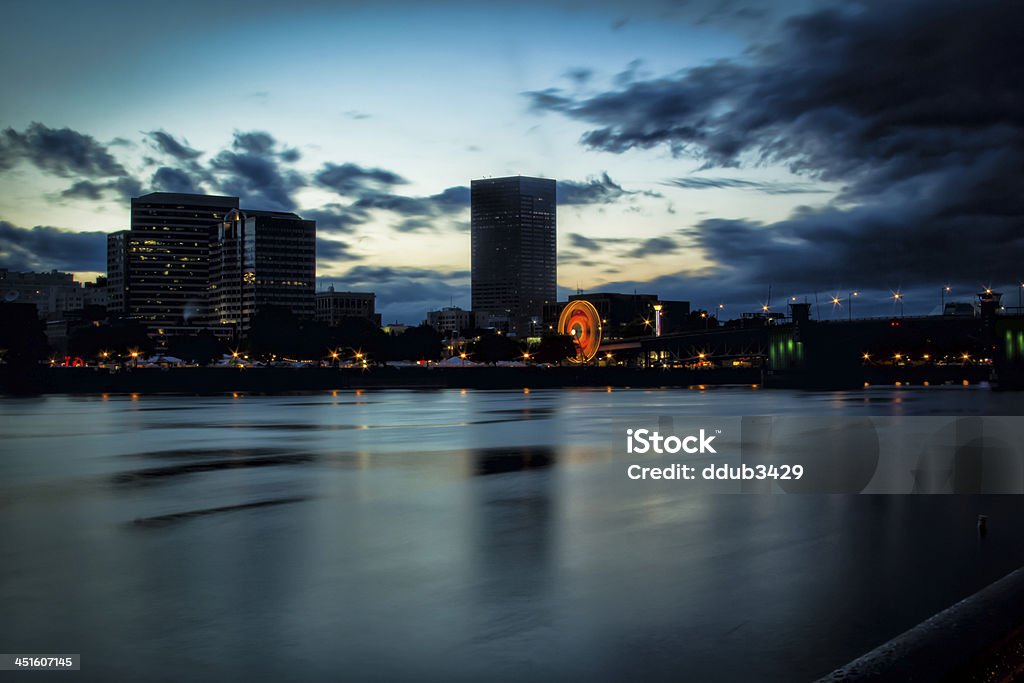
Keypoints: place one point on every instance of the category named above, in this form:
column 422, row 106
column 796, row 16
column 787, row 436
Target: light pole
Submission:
column 657, row 320
column 849, row 304
column 942, row 304
column 898, row 297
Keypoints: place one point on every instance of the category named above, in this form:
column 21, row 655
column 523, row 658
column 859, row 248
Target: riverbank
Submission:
column 278, row 380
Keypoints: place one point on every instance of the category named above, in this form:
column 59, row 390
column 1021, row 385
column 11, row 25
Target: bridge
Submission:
column 802, row 352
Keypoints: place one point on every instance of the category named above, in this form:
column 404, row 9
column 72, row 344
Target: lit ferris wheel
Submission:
column 581, row 321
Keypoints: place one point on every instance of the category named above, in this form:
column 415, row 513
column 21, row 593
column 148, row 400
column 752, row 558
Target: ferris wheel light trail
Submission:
column 581, row 321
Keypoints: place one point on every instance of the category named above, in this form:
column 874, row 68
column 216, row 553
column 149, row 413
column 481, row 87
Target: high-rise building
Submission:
column 160, row 267
column 514, row 264
column 192, row 262
column 260, row 260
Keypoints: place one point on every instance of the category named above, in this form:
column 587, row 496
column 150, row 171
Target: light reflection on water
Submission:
column 455, row 535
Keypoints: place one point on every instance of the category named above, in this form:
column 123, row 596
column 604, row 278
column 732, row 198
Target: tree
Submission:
column 555, row 348
column 358, row 335
column 493, row 348
column 416, row 343
column 202, row 348
column 120, row 337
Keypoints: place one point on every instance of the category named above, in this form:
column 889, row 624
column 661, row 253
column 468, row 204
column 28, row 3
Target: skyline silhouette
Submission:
column 704, row 153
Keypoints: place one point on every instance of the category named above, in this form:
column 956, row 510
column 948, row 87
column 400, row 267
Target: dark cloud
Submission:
column 254, row 142
column 333, row 250
column 579, row 75
column 767, row 187
column 349, row 179
column 581, row 242
column 124, row 188
column 452, row 199
column 654, row 246
column 255, row 171
column 601, row 190
column 334, row 217
column 594, row 190
column 62, row 151
column 406, row 294
column 45, row 248
column 168, row 144
column 420, row 213
column 168, row 179
column 915, row 110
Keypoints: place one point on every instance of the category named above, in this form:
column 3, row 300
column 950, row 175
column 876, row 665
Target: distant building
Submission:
column 159, row 269
column 626, row 314
column 332, row 306
column 450, row 320
column 959, row 309
column 53, row 294
column 260, row 260
column 514, row 268
column 95, row 293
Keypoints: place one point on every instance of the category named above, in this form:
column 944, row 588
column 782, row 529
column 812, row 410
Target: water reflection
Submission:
column 455, row 535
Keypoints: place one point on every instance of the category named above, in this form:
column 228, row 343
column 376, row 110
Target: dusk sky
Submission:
column 704, row 150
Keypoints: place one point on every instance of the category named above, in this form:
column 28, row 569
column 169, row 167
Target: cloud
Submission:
column 169, row 179
column 45, row 248
column 333, row 250
column 124, row 188
column 348, row 178
column 913, row 110
column 419, row 213
column 63, row 152
column 602, row 190
column 579, row 75
column 594, row 190
column 654, row 246
column 581, row 242
column 595, row 244
column 710, row 183
column 334, row 217
column 168, row 144
column 406, row 294
column 255, row 170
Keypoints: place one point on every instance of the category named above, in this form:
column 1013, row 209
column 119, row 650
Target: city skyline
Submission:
column 703, row 152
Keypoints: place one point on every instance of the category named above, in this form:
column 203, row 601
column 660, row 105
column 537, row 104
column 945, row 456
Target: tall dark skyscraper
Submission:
column 514, row 265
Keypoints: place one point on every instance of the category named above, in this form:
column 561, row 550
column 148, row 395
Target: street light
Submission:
column 657, row 320
column 849, row 305
column 898, row 298
column 945, row 289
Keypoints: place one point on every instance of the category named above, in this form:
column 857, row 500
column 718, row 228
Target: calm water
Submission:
column 457, row 536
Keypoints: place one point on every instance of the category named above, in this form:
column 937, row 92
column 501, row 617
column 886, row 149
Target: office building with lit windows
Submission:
column 514, row 269
column 193, row 262
column 158, row 270
column 260, row 260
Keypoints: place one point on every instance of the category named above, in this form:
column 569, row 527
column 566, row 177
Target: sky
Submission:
column 707, row 150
